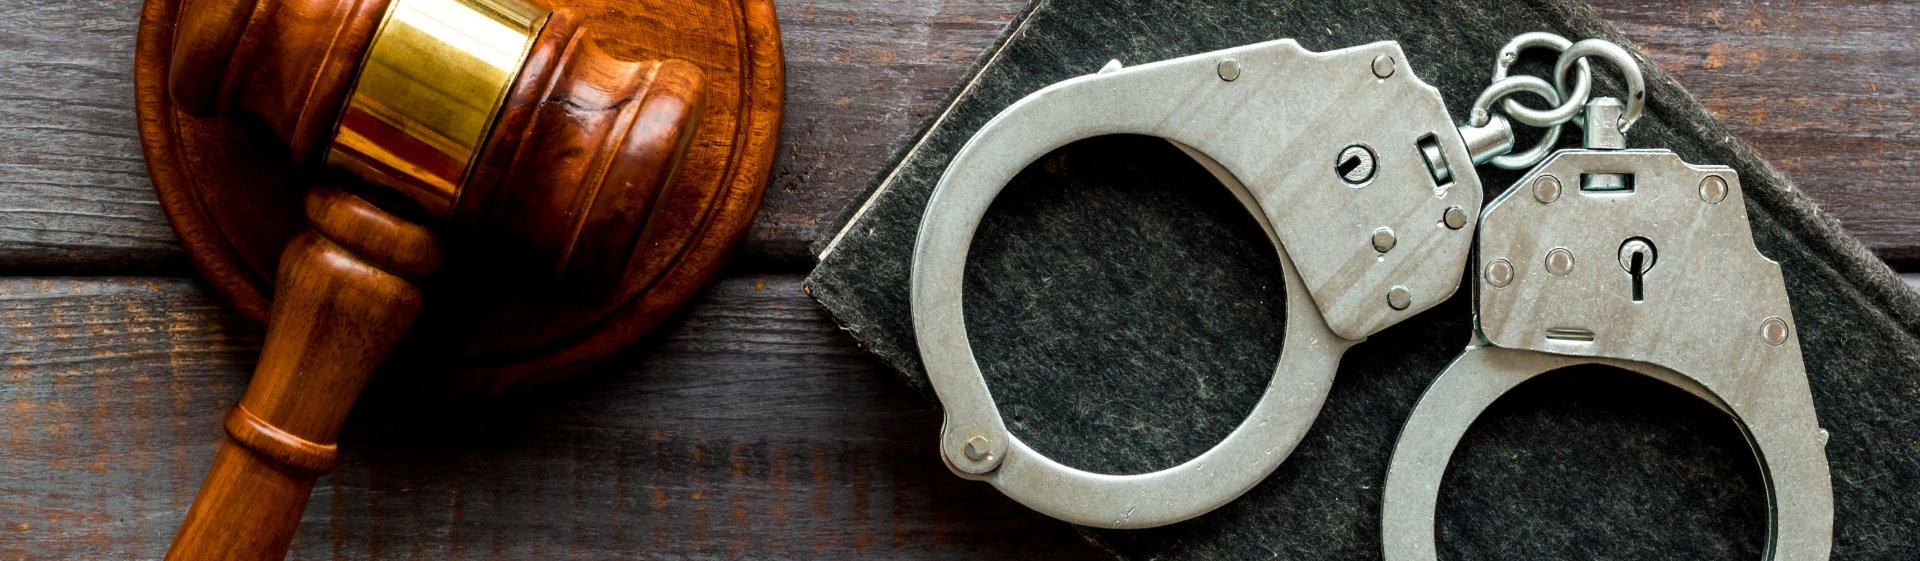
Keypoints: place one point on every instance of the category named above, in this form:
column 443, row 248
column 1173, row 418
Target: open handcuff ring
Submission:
column 1252, row 116
column 1661, row 279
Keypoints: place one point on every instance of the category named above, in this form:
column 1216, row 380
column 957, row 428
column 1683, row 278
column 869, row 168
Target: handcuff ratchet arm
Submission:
column 1270, row 120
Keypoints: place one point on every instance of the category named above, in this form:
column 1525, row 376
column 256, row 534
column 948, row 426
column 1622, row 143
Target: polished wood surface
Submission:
column 603, row 138
column 348, row 293
column 632, row 156
column 751, row 428
column 546, row 164
column 287, row 62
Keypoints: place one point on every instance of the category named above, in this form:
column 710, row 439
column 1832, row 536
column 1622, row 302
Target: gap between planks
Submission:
column 752, row 428
column 1828, row 93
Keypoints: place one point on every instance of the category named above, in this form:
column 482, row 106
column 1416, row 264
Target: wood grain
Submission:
column 754, row 430
column 751, row 429
column 74, row 194
column 74, row 197
column 348, row 294
column 1828, row 91
column 863, row 78
column 604, row 197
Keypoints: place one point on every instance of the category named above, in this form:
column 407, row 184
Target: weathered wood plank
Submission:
column 1828, row 91
column 863, row 76
column 74, row 195
column 754, row 429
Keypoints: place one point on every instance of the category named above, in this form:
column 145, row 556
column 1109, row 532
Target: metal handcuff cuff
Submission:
column 1636, row 260
column 1372, row 227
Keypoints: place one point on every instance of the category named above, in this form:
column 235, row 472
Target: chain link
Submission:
column 1504, row 89
column 1622, row 60
column 1569, row 102
column 1565, row 103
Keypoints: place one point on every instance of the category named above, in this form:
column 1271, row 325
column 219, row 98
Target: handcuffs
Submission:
column 1350, row 163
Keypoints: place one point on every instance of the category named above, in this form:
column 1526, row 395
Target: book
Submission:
column 1126, row 313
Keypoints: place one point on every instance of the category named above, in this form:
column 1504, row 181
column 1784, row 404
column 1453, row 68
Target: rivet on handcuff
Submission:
column 1379, row 229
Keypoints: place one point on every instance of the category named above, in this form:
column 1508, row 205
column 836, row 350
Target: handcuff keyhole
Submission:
column 1639, row 277
column 1636, row 258
column 1354, row 165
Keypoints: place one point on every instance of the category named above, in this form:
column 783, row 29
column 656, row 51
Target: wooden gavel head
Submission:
column 587, row 165
column 480, row 181
column 502, row 120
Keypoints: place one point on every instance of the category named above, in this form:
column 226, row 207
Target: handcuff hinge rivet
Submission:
column 978, row 449
column 1499, row 273
column 1229, row 69
column 1382, row 66
column 1455, row 217
column 1713, row 189
column 1546, row 189
column 1559, row 262
column 1383, row 239
column 1774, row 330
column 1398, row 298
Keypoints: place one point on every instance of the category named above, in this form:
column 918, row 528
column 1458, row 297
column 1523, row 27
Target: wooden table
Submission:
column 752, row 427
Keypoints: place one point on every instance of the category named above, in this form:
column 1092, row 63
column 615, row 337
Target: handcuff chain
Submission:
column 1567, row 102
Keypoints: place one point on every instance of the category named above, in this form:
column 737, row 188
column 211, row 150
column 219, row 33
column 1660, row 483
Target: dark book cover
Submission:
column 1127, row 313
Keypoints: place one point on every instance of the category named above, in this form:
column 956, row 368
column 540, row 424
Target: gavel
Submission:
column 498, row 133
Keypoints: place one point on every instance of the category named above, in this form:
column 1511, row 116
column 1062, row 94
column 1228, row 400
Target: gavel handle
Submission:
column 344, row 297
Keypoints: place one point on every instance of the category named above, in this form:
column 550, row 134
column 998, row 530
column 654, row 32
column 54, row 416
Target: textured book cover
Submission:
column 1127, row 312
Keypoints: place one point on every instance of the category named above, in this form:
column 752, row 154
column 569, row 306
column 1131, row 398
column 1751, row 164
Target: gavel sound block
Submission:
column 472, row 195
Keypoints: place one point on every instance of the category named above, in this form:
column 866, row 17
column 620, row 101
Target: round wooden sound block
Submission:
column 235, row 197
